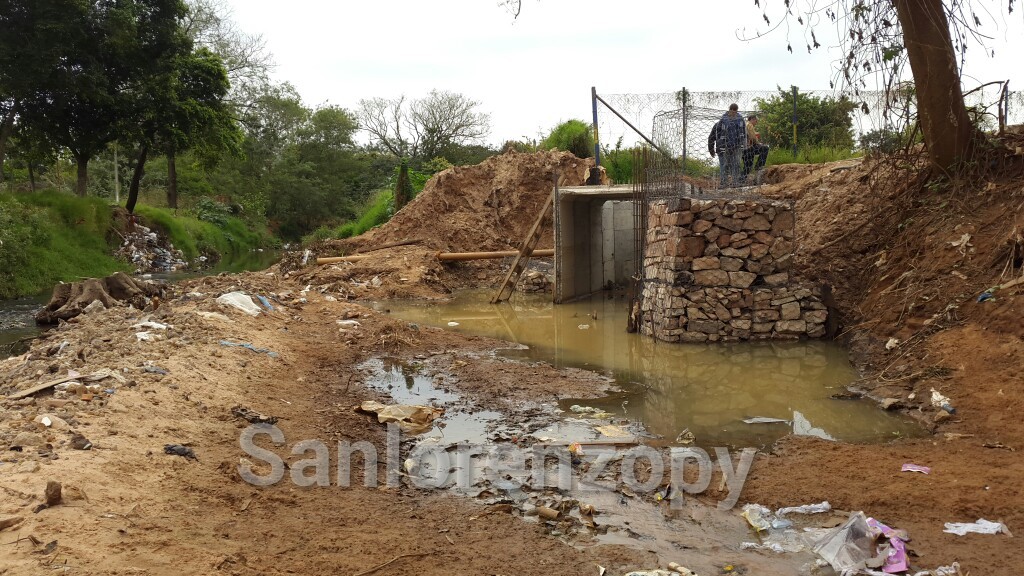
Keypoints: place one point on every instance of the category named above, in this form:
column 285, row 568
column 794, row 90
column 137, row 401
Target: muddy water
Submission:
column 709, row 390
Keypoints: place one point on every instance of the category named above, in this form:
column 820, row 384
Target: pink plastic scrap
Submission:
column 896, row 556
column 916, row 468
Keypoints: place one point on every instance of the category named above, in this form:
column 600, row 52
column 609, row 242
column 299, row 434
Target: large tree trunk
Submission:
column 172, row 181
column 949, row 135
column 140, row 169
column 82, row 186
column 6, row 129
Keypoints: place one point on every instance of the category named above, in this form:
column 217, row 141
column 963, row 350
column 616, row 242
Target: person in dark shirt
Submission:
column 728, row 139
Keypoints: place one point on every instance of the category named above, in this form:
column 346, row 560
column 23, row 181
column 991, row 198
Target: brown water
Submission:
column 708, row 389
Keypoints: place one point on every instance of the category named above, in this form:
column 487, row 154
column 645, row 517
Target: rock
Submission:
column 790, row 311
column 741, row 279
column 769, row 315
column 10, row 521
column 701, row 226
column 79, row 442
column 27, row 467
column 791, row 326
column 736, row 252
column 762, row 327
column 96, row 306
column 53, row 493
column 742, row 324
column 785, row 221
column 706, row 326
column 731, row 224
column 816, row 316
column 679, row 219
column 712, row 278
column 757, row 222
column 731, row 264
column 758, row 250
column 942, row 416
column 688, row 247
column 45, row 421
column 780, row 279
column 28, row 439
column 706, row 263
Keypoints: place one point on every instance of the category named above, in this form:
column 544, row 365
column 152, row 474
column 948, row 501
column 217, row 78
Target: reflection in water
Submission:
column 709, row 389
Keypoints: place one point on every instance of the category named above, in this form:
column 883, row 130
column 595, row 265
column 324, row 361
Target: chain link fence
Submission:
column 678, row 124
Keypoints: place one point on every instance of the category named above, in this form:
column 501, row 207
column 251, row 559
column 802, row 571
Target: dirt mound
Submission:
column 490, row 206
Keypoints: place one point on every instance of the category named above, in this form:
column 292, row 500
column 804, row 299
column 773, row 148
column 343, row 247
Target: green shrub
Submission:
column 574, row 136
column 196, row 237
column 816, row 155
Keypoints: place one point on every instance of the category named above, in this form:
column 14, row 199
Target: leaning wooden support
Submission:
column 446, row 256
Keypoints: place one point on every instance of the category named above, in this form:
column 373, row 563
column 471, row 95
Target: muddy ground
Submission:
column 130, row 508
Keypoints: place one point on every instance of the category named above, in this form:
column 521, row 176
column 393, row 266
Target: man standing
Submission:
column 728, row 138
column 755, row 149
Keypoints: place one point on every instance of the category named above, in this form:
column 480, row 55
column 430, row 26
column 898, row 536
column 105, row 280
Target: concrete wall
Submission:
column 594, row 241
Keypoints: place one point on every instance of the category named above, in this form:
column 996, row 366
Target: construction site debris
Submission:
column 982, row 526
column 411, row 419
column 239, row 301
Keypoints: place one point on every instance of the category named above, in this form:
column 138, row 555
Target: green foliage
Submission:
column 882, row 141
column 618, row 163
column 821, row 122
column 211, row 211
column 815, row 155
column 574, row 136
column 376, row 212
column 49, row 237
column 195, row 237
column 403, row 188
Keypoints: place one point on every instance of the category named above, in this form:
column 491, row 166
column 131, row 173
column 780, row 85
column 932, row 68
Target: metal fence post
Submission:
column 597, row 138
column 794, row 121
column 686, row 99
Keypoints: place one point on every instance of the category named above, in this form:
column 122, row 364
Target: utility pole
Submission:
column 117, row 179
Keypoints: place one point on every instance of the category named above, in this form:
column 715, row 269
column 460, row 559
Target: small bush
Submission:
column 574, row 136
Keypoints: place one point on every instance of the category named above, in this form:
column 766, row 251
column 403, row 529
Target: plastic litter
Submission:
column 156, row 370
column 772, row 546
column 151, row 325
column 758, row 516
column 179, row 450
column 266, row 303
column 349, row 324
column 240, row 301
column 805, row 509
column 144, row 337
column 453, row 324
column 652, row 573
column 686, row 437
column 892, row 344
column 982, row 526
column 849, row 547
column 248, row 346
column 763, row 420
column 214, row 316
column 584, row 326
column 895, row 550
column 940, row 401
column 411, row 419
column 915, row 468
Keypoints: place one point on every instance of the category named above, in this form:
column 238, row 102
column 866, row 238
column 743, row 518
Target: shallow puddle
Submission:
column 709, row 390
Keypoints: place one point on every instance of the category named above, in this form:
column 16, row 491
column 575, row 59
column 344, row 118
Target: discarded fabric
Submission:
column 805, row 509
column 982, row 526
column 266, row 303
column 762, row 420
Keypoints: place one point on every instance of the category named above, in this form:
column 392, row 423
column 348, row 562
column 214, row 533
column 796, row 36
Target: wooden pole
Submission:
column 446, row 256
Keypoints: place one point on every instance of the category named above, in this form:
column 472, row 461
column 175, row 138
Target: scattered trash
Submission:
column 94, row 306
column 453, row 324
column 411, row 419
column 240, row 301
column 179, row 450
column 681, row 569
column 613, row 431
column 576, row 449
column 144, row 337
column 214, row 316
column 151, row 325
column 916, row 468
column 987, row 295
column 548, row 513
column 849, row 547
column 252, row 416
column 306, row 256
column 79, row 442
column 349, row 324
column 892, row 344
column 584, row 326
column 757, row 516
column 248, row 346
column 156, row 370
column 805, row 509
column 962, row 244
column 686, row 437
column 940, row 401
column 982, row 526
column 266, row 303
column 772, row 546
column 762, row 420
column 652, row 573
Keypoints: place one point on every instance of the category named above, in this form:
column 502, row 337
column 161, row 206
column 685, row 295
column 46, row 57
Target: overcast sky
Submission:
column 533, row 72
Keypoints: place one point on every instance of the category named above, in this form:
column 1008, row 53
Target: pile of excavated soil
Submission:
column 490, row 206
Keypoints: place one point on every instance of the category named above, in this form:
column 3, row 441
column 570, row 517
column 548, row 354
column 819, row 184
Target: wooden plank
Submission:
column 525, row 251
column 40, row 387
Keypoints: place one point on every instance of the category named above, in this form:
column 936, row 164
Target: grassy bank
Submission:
column 51, row 237
column 377, row 211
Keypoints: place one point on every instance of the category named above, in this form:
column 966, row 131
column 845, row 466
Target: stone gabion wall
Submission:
column 718, row 270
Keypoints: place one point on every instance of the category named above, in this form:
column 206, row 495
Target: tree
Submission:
column 424, row 128
column 34, row 36
column 821, row 121
column 883, row 38
column 403, row 188
column 100, row 79
column 182, row 109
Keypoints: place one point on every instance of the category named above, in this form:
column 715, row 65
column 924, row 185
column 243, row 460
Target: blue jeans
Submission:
column 729, row 162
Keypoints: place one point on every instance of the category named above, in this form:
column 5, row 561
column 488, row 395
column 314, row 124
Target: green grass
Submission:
column 196, row 237
column 49, row 237
column 377, row 211
column 817, row 155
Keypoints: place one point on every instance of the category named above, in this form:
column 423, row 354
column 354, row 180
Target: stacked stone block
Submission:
column 719, row 270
